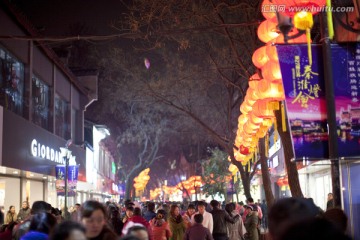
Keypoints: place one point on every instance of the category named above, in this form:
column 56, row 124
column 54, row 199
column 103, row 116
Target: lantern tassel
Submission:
column 308, row 40
column 275, row 133
column 267, row 145
column 283, row 118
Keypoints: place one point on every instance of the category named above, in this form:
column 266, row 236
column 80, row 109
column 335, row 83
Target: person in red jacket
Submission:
column 137, row 218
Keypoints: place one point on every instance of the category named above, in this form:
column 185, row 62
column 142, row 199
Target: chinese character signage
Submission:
column 305, row 99
column 346, row 73
column 73, row 172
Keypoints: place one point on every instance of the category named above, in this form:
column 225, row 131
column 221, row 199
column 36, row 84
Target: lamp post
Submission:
column 66, row 154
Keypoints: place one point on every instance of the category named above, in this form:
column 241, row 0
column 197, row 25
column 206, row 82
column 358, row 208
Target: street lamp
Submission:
column 66, row 154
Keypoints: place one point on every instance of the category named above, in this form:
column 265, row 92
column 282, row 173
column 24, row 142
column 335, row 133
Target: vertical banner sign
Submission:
column 60, row 180
column 73, row 172
column 346, row 72
column 305, row 100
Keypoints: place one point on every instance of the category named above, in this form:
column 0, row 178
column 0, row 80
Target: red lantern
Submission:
column 244, row 150
column 267, row 10
column 259, row 57
column 271, row 71
column 267, row 31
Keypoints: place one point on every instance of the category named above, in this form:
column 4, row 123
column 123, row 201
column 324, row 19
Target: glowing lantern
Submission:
column 271, row 71
column 271, row 51
column 267, row 10
column 267, row 31
column 304, row 21
column 242, row 119
column 259, row 57
column 255, row 120
column 244, row 150
column 245, row 108
column 270, row 90
column 263, row 109
column 252, row 95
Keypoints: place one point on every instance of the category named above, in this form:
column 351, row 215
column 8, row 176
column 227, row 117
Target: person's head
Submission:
column 288, row 211
column 77, row 206
column 25, row 205
column 129, row 203
column 191, row 209
column 12, row 209
column 254, row 207
column 150, row 206
column 315, row 228
column 214, row 204
column 337, row 217
column 241, row 203
column 201, row 207
column 139, row 231
column 230, row 207
column 161, row 214
column 198, row 218
column 137, row 211
column 39, row 207
column 69, row 230
column 129, row 211
column 250, row 200
column 174, row 210
column 248, row 208
column 113, row 211
column 42, row 222
column 330, row 196
column 93, row 216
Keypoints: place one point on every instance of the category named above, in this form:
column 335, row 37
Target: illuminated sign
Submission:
column 40, row 150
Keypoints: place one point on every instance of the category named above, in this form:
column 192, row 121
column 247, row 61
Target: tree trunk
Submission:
column 245, row 179
column 244, row 176
column 286, row 140
column 130, row 181
column 265, row 173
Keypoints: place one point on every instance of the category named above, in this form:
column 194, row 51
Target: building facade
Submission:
column 42, row 106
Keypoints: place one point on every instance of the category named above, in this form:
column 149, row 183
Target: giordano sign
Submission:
column 40, row 150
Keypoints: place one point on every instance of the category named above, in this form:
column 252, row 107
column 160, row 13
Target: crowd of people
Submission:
column 289, row 218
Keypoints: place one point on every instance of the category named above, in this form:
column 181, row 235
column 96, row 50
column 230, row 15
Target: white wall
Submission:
column 36, row 191
column 11, row 194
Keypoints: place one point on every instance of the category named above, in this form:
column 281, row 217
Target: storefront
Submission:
column 315, row 181
column 28, row 156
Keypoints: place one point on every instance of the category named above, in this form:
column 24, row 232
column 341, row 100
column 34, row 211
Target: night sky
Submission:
column 55, row 17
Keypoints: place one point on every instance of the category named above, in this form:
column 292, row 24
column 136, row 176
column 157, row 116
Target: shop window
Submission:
column 62, row 118
column 41, row 103
column 11, row 82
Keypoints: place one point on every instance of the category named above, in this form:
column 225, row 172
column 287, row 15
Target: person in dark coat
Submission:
column 197, row 230
column 41, row 226
column 68, row 230
column 330, row 201
column 220, row 217
column 150, row 212
column 37, row 207
column 2, row 215
column 7, row 233
column 114, row 220
column 24, row 212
